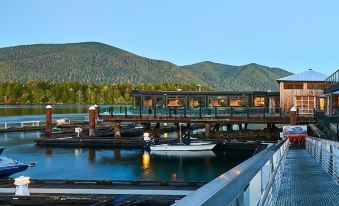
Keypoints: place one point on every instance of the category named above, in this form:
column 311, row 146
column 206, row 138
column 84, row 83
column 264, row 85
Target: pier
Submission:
column 279, row 175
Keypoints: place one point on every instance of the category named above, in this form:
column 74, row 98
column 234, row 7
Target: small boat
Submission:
column 182, row 147
column 1, row 150
column 9, row 166
column 194, row 146
column 190, row 154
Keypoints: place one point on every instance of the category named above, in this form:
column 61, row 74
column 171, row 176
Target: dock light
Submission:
column 21, row 184
column 166, row 135
column 147, row 137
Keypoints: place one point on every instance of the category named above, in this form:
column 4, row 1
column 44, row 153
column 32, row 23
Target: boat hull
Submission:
column 200, row 147
column 9, row 170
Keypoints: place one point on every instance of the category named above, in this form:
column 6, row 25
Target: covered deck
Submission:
column 203, row 99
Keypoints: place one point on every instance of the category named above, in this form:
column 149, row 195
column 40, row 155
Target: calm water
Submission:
column 117, row 164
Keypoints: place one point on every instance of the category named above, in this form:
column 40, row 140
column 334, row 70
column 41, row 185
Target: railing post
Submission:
column 264, row 112
column 170, row 112
column 140, row 111
column 200, row 112
column 126, row 112
column 155, row 112
column 231, row 112
column 215, row 111
column 248, row 112
column 185, row 112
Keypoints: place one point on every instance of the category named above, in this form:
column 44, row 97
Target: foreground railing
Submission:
column 326, row 153
column 254, row 182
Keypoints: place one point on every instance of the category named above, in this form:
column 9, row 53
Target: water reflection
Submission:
column 117, row 154
column 91, row 156
column 48, row 152
column 119, row 164
column 146, row 160
column 78, row 152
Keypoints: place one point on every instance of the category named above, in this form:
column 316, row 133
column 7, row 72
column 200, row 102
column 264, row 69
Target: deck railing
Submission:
column 40, row 122
column 326, row 153
column 254, row 182
column 195, row 112
column 328, row 122
column 332, row 83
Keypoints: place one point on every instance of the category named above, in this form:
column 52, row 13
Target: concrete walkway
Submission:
column 305, row 182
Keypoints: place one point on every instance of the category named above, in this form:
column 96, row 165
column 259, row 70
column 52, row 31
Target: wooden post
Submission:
column 49, row 119
column 92, row 118
column 96, row 112
column 208, row 132
column 117, row 129
column 293, row 116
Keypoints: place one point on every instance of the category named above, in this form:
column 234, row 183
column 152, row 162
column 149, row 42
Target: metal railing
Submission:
column 40, row 123
column 253, row 182
column 332, row 82
column 328, row 122
column 326, row 153
column 195, row 112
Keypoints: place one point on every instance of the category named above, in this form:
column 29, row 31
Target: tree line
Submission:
column 72, row 92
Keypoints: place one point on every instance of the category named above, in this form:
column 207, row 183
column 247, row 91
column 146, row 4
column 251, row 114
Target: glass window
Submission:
column 259, row 101
column 305, row 104
column 238, row 101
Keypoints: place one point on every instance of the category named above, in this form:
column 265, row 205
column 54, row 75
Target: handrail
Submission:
column 326, row 153
column 251, row 175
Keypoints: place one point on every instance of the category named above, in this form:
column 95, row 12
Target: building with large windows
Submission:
column 204, row 99
column 302, row 91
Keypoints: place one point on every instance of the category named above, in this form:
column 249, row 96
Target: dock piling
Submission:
column 208, row 130
column 92, row 119
column 293, row 116
column 49, row 119
column 117, row 129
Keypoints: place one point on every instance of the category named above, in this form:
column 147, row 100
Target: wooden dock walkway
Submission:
column 304, row 182
column 121, row 192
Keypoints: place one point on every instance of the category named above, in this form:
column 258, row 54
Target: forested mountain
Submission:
column 239, row 78
column 93, row 62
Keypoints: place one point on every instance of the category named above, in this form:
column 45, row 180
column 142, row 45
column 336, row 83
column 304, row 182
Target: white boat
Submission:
column 194, row 146
column 182, row 147
column 190, row 154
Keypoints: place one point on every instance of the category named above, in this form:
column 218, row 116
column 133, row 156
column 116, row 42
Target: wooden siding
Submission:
column 287, row 96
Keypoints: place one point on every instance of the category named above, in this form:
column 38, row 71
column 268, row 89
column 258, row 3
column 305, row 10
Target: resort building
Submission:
column 302, row 91
column 204, row 99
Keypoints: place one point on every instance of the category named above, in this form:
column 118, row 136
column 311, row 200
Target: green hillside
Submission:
column 250, row 77
column 85, row 62
column 93, row 62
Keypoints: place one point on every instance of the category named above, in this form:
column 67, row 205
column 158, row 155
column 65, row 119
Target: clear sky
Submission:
column 290, row 34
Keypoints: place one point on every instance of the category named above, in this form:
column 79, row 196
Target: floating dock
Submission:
column 98, row 192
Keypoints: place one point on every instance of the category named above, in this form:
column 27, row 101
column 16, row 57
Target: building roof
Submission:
column 306, row 76
column 203, row 93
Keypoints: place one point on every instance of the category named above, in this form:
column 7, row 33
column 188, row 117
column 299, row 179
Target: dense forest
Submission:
column 42, row 92
column 92, row 62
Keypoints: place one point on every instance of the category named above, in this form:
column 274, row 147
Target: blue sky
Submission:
column 293, row 35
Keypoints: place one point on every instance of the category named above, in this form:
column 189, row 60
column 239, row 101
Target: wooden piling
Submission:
column 117, row 129
column 92, row 118
column 208, row 131
column 49, row 119
column 293, row 116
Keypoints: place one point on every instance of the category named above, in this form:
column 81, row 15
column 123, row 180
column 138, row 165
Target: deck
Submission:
column 304, row 182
